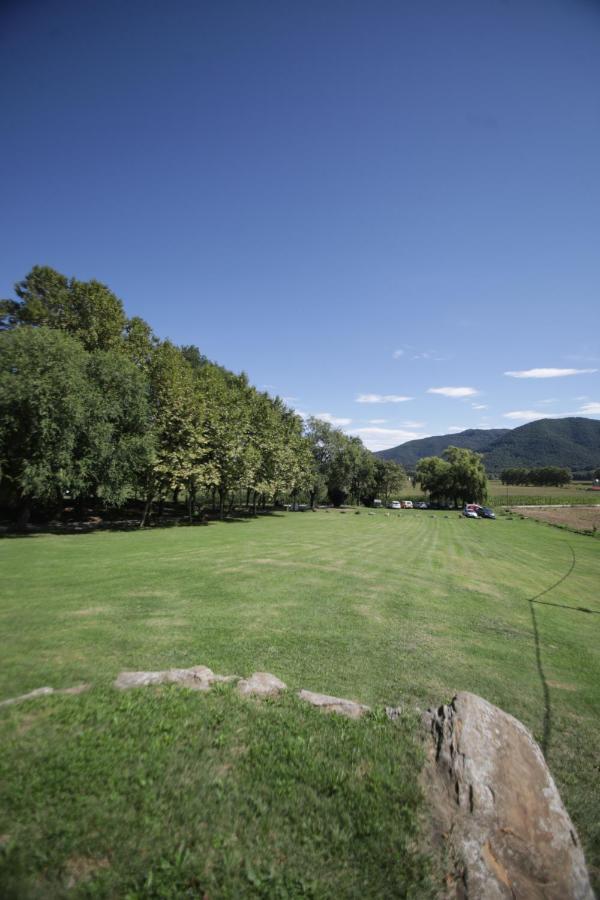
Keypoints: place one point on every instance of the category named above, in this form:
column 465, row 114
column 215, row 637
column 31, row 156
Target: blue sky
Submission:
column 343, row 199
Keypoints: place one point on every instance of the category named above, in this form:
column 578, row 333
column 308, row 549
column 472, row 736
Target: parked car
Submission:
column 471, row 511
column 395, row 504
column 485, row 512
column 421, row 505
column 406, row 504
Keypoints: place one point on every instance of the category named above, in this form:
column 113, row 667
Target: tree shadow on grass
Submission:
column 132, row 525
column 547, row 728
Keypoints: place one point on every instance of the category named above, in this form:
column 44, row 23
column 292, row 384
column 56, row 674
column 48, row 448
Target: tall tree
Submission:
column 44, row 401
column 86, row 309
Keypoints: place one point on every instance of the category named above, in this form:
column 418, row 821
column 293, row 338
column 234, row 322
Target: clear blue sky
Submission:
column 340, row 198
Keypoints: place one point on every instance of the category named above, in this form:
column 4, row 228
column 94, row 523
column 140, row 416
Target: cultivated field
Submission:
column 577, row 518
column 162, row 792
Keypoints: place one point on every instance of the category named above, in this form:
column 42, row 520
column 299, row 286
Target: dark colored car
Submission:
column 486, row 513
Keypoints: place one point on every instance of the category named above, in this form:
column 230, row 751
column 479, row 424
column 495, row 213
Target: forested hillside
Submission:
column 573, row 442
column 411, row 452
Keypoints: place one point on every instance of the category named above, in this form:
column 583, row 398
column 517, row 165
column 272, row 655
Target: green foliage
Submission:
column 543, row 476
column 72, row 424
column 85, row 309
column 136, row 417
column 457, row 478
column 44, row 401
column 342, row 467
column 389, row 479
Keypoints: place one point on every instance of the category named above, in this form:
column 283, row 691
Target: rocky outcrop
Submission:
column 198, row 678
column 497, row 810
column 261, row 684
column 335, row 704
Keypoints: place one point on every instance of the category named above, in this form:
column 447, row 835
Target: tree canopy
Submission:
column 96, row 409
column 457, row 477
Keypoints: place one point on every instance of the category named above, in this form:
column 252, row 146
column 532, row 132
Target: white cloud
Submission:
column 550, row 400
column 377, row 421
column 301, row 413
column 290, row 400
column 479, row 405
column 397, row 354
column 453, row 391
column 528, row 414
column 381, row 398
column 456, row 428
column 333, row 420
column 592, row 409
column 410, row 424
column 549, row 373
column 382, row 438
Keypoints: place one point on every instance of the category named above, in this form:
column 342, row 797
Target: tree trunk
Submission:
column 24, row 515
column 147, row 510
column 221, row 503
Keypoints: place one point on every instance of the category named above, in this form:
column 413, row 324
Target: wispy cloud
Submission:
column 382, row 398
column 377, row 421
column 410, row 424
column 333, row 420
column 290, row 400
column 525, row 415
column 549, row 373
column 382, row 438
column 453, row 391
column 592, row 409
column 456, row 428
column 479, row 405
column 415, row 353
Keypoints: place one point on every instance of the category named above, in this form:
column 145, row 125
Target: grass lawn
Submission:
column 162, row 792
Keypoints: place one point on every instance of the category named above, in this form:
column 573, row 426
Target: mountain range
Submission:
column 573, row 442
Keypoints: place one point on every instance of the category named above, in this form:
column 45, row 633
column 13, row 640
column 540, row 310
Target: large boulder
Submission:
column 497, row 810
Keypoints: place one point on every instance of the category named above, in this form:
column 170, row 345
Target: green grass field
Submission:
column 162, row 792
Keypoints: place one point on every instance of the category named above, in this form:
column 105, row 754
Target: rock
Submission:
column 494, row 801
column 44, row 691
column 76, row 689
column 335, row 704
column 261, row 684
column 393, row 712
column 38, row 692
column 198, row 678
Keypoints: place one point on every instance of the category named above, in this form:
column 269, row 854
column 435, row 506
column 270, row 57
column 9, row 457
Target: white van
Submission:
column 395, row 504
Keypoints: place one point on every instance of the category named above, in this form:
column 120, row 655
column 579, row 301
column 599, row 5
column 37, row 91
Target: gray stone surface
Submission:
column 43, row 692
column 496, row 808
column 198, row 678
column 335, row 704
column 38, row 692
column 261, row 684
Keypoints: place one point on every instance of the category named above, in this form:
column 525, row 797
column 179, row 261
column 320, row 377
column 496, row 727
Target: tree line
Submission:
column 97, row 411
column 542, row 476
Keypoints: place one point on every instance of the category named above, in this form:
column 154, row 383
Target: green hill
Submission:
column 411, row 452
column 572, row 442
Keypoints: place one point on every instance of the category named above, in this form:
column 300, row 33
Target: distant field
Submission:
column 161, row 792
column 513, row 495
column 575, row 518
